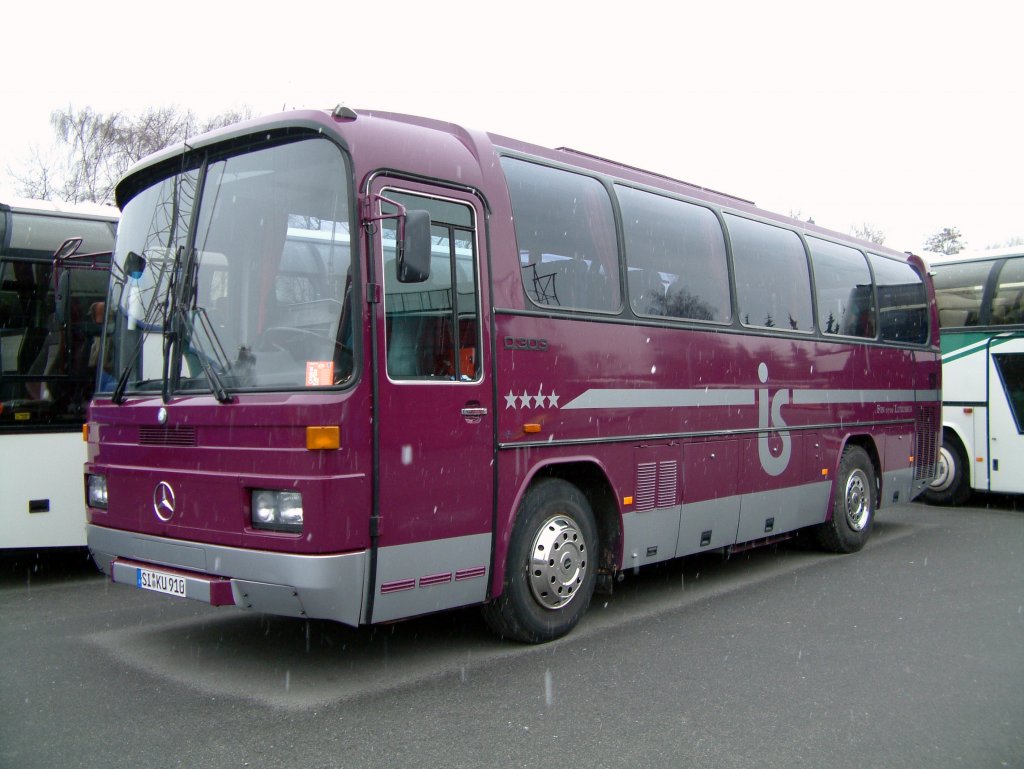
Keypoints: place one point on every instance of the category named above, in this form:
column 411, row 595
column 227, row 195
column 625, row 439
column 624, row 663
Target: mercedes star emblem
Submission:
column 163, row 501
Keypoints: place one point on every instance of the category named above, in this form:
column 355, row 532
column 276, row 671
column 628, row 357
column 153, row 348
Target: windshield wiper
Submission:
column 220, row 392
column 122, row 383
column 181, row 297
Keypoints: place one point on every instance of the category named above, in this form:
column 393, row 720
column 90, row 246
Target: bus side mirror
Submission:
column 61, row 282
column 414, row 256
column 134, row 265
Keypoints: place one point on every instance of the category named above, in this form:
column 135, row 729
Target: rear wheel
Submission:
column 551, row 568
column 853, row 512
column 950, row 486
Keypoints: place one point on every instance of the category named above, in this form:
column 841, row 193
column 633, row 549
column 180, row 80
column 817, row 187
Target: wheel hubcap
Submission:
column 558, row 562
column 858, row 500
column 943, row 472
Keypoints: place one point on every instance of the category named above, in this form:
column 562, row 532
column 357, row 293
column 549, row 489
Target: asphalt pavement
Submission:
column 908, row 654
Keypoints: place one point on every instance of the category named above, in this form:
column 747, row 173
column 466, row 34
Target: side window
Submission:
column 48, row 361
column 39, row 235
column 773, row 284
column 675, row 252
column 958, row 292
column 1011, row 372
column 432, row 328
column 566, row 235
column 1008, row 300
column 842, row 280
column 902, row 301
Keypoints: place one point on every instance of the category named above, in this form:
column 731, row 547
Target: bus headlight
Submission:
column 276, row 510
column 96, row 491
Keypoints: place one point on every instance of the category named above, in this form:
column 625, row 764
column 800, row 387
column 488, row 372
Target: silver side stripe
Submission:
column 659, row 399
column 836, row 397
column 648, row 398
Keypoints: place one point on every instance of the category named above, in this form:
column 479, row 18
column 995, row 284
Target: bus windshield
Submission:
column 231, row 275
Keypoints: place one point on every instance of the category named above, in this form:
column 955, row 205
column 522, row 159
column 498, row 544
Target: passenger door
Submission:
column 1006, row 414
column 433, row 413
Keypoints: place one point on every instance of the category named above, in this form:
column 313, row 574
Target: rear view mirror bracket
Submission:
column 412, row 241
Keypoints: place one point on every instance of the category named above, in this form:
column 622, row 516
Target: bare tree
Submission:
column 868, row 232
column 94, row 150
column 36, row 178
column 945, row 241
column 1016, row 240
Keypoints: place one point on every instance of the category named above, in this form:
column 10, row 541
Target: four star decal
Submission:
column 527, row 400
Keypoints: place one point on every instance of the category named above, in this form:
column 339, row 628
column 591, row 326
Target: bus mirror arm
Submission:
column 412, row 238
column 67, row 258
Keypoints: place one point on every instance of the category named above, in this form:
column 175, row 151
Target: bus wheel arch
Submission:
column 952, row 484
column 566, row 512
column 867, row 444
column 856, row 496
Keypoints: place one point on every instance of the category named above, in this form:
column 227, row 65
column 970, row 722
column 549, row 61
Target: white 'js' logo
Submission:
column 772, row 464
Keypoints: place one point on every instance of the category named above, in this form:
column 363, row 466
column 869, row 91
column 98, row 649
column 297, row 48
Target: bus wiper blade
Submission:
column 122, row 384
column 122, row 381
column 220, row 392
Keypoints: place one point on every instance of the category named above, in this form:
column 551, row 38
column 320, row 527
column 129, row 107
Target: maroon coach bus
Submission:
column 364, row 366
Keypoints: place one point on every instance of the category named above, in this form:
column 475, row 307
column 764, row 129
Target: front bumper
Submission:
column 315, row 586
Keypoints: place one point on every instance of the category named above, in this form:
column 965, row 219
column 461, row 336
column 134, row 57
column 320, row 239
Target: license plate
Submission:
column 171, row 584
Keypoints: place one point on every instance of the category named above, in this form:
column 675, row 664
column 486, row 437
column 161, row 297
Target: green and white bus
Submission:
column 54, row 267
column 981, row 314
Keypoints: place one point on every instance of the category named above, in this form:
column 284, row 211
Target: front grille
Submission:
column 167, row 436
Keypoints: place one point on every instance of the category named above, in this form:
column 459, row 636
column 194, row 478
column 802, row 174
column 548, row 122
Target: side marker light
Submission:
column 324, row 438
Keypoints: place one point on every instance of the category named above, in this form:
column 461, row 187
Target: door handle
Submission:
column 475, row 412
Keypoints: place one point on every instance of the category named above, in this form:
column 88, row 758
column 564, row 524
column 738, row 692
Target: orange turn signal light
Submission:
column 531, row 427
column 323, row 438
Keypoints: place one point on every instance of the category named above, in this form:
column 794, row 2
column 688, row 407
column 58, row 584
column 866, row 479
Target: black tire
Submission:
column 856, row 498
column 551, row 568
column 950, row 486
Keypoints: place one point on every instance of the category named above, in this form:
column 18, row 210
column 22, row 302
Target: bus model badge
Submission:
column 163, row 501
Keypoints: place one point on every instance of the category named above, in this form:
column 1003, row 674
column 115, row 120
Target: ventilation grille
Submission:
column 926, row 448
column 167, row 436
column 657, row 485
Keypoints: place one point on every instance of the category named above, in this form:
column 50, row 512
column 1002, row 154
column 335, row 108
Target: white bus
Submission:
column 981, row 313
column 49, row 362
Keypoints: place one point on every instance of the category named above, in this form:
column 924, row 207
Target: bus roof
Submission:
column 444, row 136
column 60, row 208
column 935, row 259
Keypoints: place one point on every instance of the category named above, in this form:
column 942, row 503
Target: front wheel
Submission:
column 551, row 568
column 853, row 512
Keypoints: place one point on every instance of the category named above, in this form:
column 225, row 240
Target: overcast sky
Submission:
column 907, row 116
